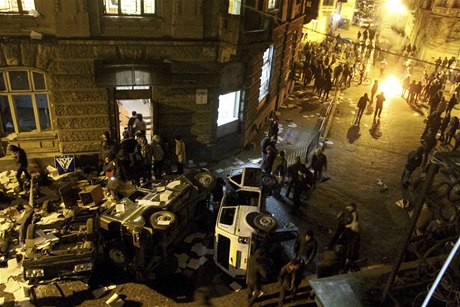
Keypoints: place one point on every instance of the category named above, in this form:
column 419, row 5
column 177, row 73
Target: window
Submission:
column 328, row 2
column 16, row 6
column 129, row 7
column 272, row 4
column 266, row 72
column 234, row 7
column 23, row 101
column 228, row 108
column 227, row 215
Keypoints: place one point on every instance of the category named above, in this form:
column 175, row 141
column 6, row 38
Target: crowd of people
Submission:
column 135, row 157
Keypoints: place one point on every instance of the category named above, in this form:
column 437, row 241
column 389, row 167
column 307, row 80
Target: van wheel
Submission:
column 263, row 222
column 206, row 180
column 116, row 255
column 162, row 220
column 268, row 181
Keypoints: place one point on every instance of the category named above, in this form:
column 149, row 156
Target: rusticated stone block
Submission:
column 80, row 135
column 75, row 52
column 73, row 82
column 106, row 53
column 45, row 56
column 79, row 147
column 93, row 95
column 29, row 54
column 132, row 52
column 12, row 54
column 77, row 67
column 83, row 122
column 81, row 109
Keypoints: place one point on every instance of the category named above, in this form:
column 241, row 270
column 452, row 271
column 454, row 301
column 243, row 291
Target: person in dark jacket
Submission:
column 331, row 262
column 375, row 88
column 292, row 172
column 414, row 160
column 306, row 248
column 318, row 164
column 362, row 103
column 20, row 157
column 269, row 159
column 255, row 273
column 379, row 104
column 289, row 279
column 428, row 143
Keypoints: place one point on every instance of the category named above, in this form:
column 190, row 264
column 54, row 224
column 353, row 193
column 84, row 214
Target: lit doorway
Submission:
column 141, row 106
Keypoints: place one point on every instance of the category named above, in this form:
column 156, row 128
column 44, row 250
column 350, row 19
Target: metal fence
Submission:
column 320, row 132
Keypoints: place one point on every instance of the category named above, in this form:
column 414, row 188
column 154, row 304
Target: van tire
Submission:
column 116, row 255
column 262, row 222
column 206, row 180
column 157, row 217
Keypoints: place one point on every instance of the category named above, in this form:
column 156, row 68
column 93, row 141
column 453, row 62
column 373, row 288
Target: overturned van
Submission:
column 140, row 229
column 243, row 225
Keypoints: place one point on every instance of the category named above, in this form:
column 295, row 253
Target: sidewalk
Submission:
column 298, row 122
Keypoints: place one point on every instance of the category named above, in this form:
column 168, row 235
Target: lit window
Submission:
column 129, row 7
column 16, row 6
column 234, row 7
column 266, row 72
column 228, row 108
column 271, row 4
column 23, row 101
column 132, row 80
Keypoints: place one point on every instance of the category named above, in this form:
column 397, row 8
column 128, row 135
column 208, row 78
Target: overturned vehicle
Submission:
column 243, row 225
column 139, row 230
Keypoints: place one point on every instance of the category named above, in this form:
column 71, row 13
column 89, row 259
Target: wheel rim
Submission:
column 117, row 256
column 163, row 218
column 266, row 221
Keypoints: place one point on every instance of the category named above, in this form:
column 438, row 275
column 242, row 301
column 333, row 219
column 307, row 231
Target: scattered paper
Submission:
column 173, row 184
column 12, row 286
column 97, row 293
column 219, row 170
column 182, row 260
column 235, row 286
column 119, row 208
column 202, row 260
column 203, row 164
column 255, row 161
column 115, row 301
column 194, row 264
column 328, row 142
column 199, row 249
column 353, row 112
column 164, row 196
column 292, row 125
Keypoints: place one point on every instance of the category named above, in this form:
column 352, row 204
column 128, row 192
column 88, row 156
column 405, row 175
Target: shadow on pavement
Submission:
column 375, row 129
column 353, row 134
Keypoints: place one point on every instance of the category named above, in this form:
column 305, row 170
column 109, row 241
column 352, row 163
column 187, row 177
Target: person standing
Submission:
column 375, row 88
column 383, row 66
column 289, row 279
column 269, row 159
column 180, row 153
column 306, row 248
column 362, row 103
column 146, row 152
column 157, row 156
column 359, row 36
column 303, row 181
column 140, row 125
column 452, row 102
column 428, row 143
column 405, row 86
column 255, row 273
column 379, row 105
column 451, row 129
column 20, row 157
column 279, row 169
column 131, row 121
column 292, row 172
column 414, row 160
column 347, row 219
column 318, row 164
column 274, row 128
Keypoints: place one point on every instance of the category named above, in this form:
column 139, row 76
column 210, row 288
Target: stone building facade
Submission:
column 434, row 28
column 65, row 64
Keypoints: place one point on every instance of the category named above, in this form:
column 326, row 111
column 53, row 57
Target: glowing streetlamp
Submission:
column 395, row 6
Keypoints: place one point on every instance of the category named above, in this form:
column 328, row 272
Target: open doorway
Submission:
column 141, row 106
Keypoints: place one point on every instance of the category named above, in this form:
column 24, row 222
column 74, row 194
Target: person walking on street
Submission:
column 405, row 86
column 452, row 102
column 362, row 103
column 451, row 129
column 131, row 121
column 269, row 159
column 273, row 129
column 20, row 157
column 255, row 273
column 347, row 219
column 303, row 182
column 375, row 88
column 414, row 160
column 383, row 66
column 180, row 153
column 289, row 279
column 318, row 164
column 379, row 104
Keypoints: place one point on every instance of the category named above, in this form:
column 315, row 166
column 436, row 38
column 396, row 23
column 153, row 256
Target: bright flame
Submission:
column 395, row 6
column 336, row 17
column 391, row 86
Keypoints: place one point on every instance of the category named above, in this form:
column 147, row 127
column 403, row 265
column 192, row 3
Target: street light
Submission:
column 395, row 6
